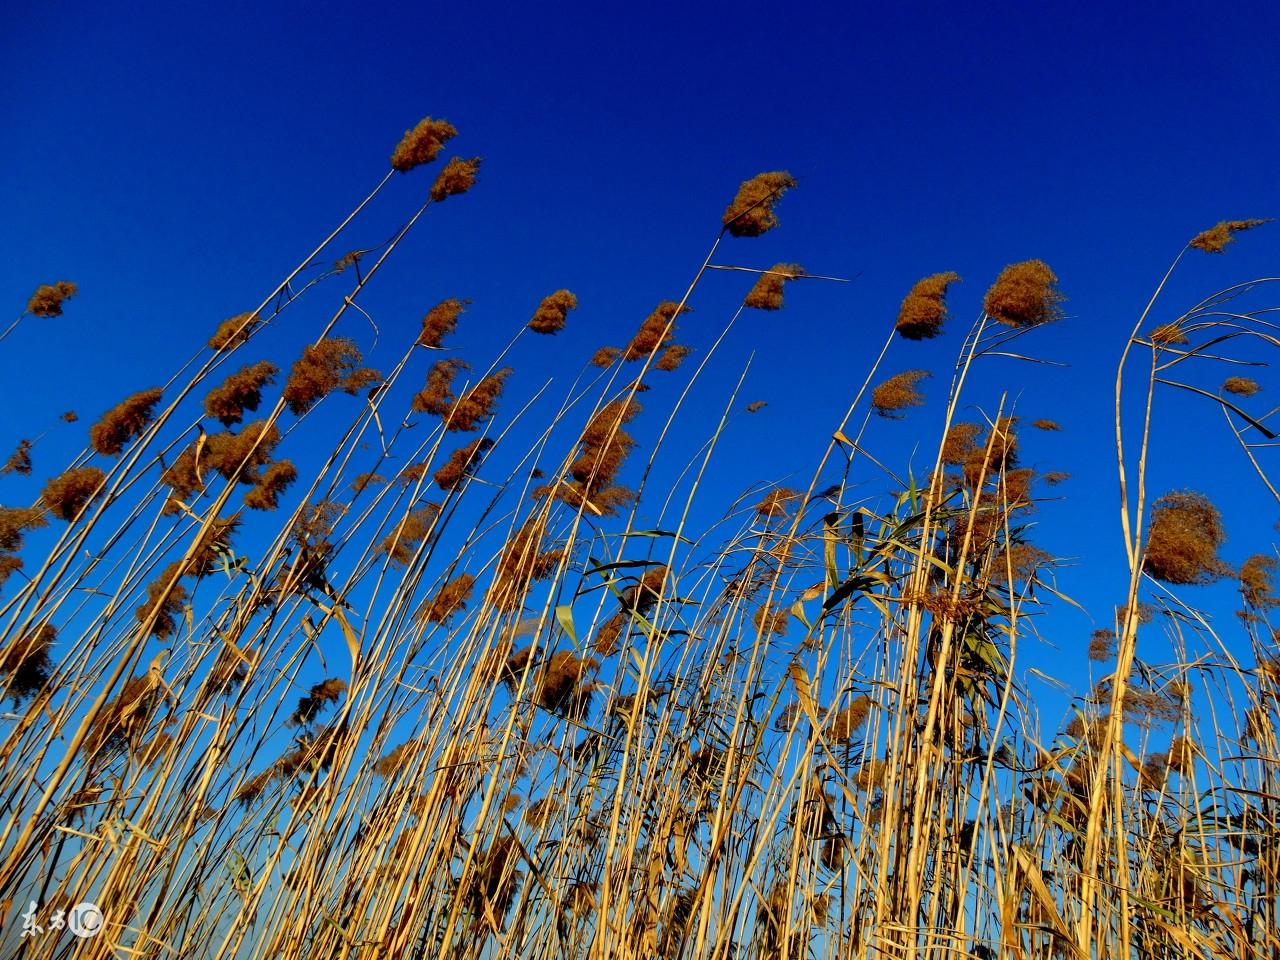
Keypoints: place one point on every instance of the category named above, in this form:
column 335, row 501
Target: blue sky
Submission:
column 176, row 160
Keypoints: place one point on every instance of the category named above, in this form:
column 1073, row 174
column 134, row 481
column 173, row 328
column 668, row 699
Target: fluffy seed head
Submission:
column 441, row 321
column 25, row 664
column 767, row 292
column 70, row 492
column 673, row 354
column 924, row 310
column 422, row 144
column 328, row 365
column 19, row 461
column 605, row 356
column 1183, row 540
column 552, row 312
column 462, row 463
column 437, row 396
column 473, row 408
column 449, row 599
column 240, row 392
column 458, row 176
column 1241, row 386
column 655, row 332
column 751, row 212
column 273, row 481
column 123, row 422
column 233, row 331
column 898, row 393
column 1168, row 335
column 48, row 299
column 1024, row 295
column 1216, row 238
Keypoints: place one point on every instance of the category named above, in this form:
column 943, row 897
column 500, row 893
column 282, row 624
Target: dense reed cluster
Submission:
column 603, row 697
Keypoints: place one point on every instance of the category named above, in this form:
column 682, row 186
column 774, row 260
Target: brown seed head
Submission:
column 1168, row 335
column 655, row 332
column 401, row 544
column 234, row 331
column 1102, row 645
column 458, row 176
column 123, row 422
column 1241, row 386
column 552, row 312
column 437, row 396
column 1024, row 295
column 842, row 727
column 25, row 664
column 673, row 354
column 898, row 393
column 19, row 461
column 48, row 299
column 422, row 144
column 70, row 492
column 924, row 310
column 1183, row 540
column 239, row 455
column 462, row 463
column 1216, row 238
column 605, row 357
column 328, row 365
column 239, row 393
column 449, row 599
column 778, row 503
column 767, row 292
column 441, row 321
column 272, row 482
column 470, row 411
column 751, row 212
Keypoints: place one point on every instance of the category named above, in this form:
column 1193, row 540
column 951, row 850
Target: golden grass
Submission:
column 565, row 719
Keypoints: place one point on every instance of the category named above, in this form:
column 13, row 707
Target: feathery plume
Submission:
column 48, row 299
column 67, row 494
column 462, row 463
column 924, row 309
column 673, row 354
column 272, row 482
column 1183, row 540
column 751, row 212
column 440, row 322
column 328, row 365
column 1024, row 295
column 1241, row 386
column 320, row 696
column 422, row 144
column 552, row 312
column 458, row 176
column 1217, row 237
column 19, row 461
column 473, row 408
column 437, row 396
column 234, row 331
column 898, row 393
column 123, row 422
column 767, row 292
column 401, row 544
column 240, row 392
column 605, row 357
column 25, row 664
column 449, row 599
column 14, row 524
column 655, row 332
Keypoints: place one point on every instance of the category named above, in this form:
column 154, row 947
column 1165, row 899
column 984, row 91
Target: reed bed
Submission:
column 308, row 659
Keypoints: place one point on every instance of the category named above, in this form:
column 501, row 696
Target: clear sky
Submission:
column 176, row 159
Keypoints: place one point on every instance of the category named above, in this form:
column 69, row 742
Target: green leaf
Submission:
column 564, row 614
